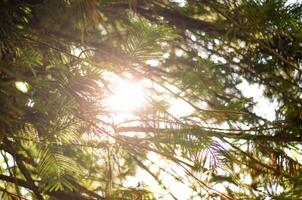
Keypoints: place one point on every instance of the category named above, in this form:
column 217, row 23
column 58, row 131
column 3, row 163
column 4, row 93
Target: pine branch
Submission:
column 262, row 44
column 12, row 194
column 175, row 18
column 20, row 182
column 24, row 170
column 144, row 167
column 60, row 195
column 239, row 135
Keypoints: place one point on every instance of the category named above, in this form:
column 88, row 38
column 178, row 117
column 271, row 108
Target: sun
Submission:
column 126, row 96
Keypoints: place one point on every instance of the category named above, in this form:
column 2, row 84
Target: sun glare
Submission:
column 126, row 97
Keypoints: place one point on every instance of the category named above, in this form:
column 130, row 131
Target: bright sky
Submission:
column 128, row 96
column 264, row 107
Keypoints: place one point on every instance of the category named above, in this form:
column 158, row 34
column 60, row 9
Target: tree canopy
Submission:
column 61, row 137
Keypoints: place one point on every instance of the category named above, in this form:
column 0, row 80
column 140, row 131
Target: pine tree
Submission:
column 59, row 139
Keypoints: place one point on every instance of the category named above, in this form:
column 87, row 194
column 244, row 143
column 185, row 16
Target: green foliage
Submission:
column 133, row 194
column 146, row 40
column 56, row 168
column 60, row 139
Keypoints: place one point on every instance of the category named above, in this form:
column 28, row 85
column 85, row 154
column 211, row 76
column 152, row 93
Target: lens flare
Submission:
column 126, row 96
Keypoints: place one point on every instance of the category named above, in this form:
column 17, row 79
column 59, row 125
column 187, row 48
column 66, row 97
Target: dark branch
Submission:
column 240, row 135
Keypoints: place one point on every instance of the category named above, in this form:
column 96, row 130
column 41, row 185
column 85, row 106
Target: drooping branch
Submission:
column 175, row 18
column 239, row 135
column 182, row 21
column 60, row 195
column 18, row 181
column 30, row 183
column 143, row 166
column 23, row 170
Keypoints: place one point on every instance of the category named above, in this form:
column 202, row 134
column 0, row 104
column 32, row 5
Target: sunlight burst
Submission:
column 126, row 96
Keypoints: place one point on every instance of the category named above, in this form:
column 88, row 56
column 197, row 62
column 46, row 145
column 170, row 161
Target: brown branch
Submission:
column 23, row 169
column 18, row 197
column 61, row 195
column 20, row 182
column 256, row 161
column 241, row 135
column 30, row 183
column 261, row 43
column 174, row 18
